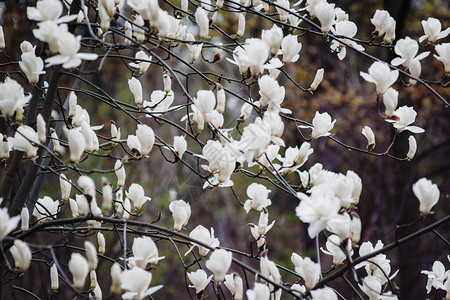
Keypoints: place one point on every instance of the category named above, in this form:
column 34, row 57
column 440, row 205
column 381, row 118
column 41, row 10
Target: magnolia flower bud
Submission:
column 272, row 38
column 54, row 278
column 136, row 89
column 115, row 132
column 368, row 133
column 428, row 194
column 101, row 243
column 2, row 39
column 21, row 254
column 220, row 108
column 107, row 193
column 22, row 138
column 73, row 207
column 79, row 268
column 25, row 219
column 32, row 66
column 234, row 283
column 91, row 254
column 325, row 13
column 443, row 50
column 120, row 173
column 355, row 228
column 246, row 111
column 87, row 184
column 93, row 279
column 66, row 186
column 115, row 278
column 179, row 145
column 412, row 148
column 136, row 194
column 219, row 263
column 126, row 209
column 77, row 144
column 241, row 25
column 5, row 147
column 167, row 81
column 72, row 105
column 57, row 149
column 201, row 18
column 307, row 269
column 317, row 80
column 390, row 101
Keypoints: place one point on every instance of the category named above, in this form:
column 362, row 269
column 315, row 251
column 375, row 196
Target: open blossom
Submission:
column 273, row 38
column 427, row 193
column 318, row 208
column 325, row 293
column 12, row 97
column 181, row 212
column 194, row 49
column 142, row 62
column 26, row 139
column 201, row 234
column 222, row 162
column 69, row 45
column 346, row 29
column 219, row 263
column 325, row 13
column 384, row 24
column 432, row 29
column 381, row 75
column 307, row 269
column 444, row 55
column 378, row 265
column 144, row 252
column 405, row 115
column 333, row 249
column 255, row 139
column 258, row 195
column 290, row 47
column 259, row 292
column 7, row 224
column 136, row 194
column 45, row 208
column 407, row 49
column 251, row 56
column 48, row 10
column 259, row 231
column 136, row 281
column 199, row 279
column 436, row 276
column 32, row 66
column 270, row 91
column 322, row 125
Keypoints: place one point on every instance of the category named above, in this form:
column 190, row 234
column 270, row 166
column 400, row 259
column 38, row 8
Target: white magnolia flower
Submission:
column 318, row 208
column 26, row 139
column 258, row 195
column 251, row 56
column 370, row 136
column 101, row 243
column 436, row 276
column 273, row 38
column 45, row 208
column 444, row 55
column 12, row 97
column 144, row 252
column 146, row 137
column 201, row 234
column 259, row 231
column 107, row 194
column 412, row 147
column 259, row 292
column 199, row 279
column 428, row 194
column 322, row 125
column 325, row 293
column 333, row 249
column 378, row 265
column 234, row 284
column 138, row 32
column 179, row 145
column 347, row 29
column 32, row 66
column 181, row 212
column 136, row 281
column 136, row 89
column 79, row 267
column 50, row 32
column 384, row 24
column 91, row 254
column 115, row 278
column 325, row 13
column 159, row 103
column 307, row 269
column 2, row 39
column 405, row 115
column 381, row 75
column 21, row 254
column 219, row 263
column 77, row 144
column 407, row 49
column 69, row 45
column 202, row 20
column 432, row 29
column 390, row 101
column 48, row 10
column 222, row 162
column 7, row 224
column 290, row 48
column 194, row 49
column 317, row 80
column 66, row 186
column 136, row 194
column 24, row 219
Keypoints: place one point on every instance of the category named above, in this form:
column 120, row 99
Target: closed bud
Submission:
column 54, row 279
column 91, row 254
column 73, row 207
column 2, row 39
column 21, row 254
column 101, row 243
column 412, row 148
column 317, row 80
column 79, row 268
column 368, row 133
column 179, row 145
column 115, row 278
column 107, row 194
column 120, row 173
column 220, row 98
column 167, row 81
column 241, row 25
column 25, row 219
column 93, row 278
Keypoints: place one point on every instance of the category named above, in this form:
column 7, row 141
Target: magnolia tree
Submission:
column 74, row 195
